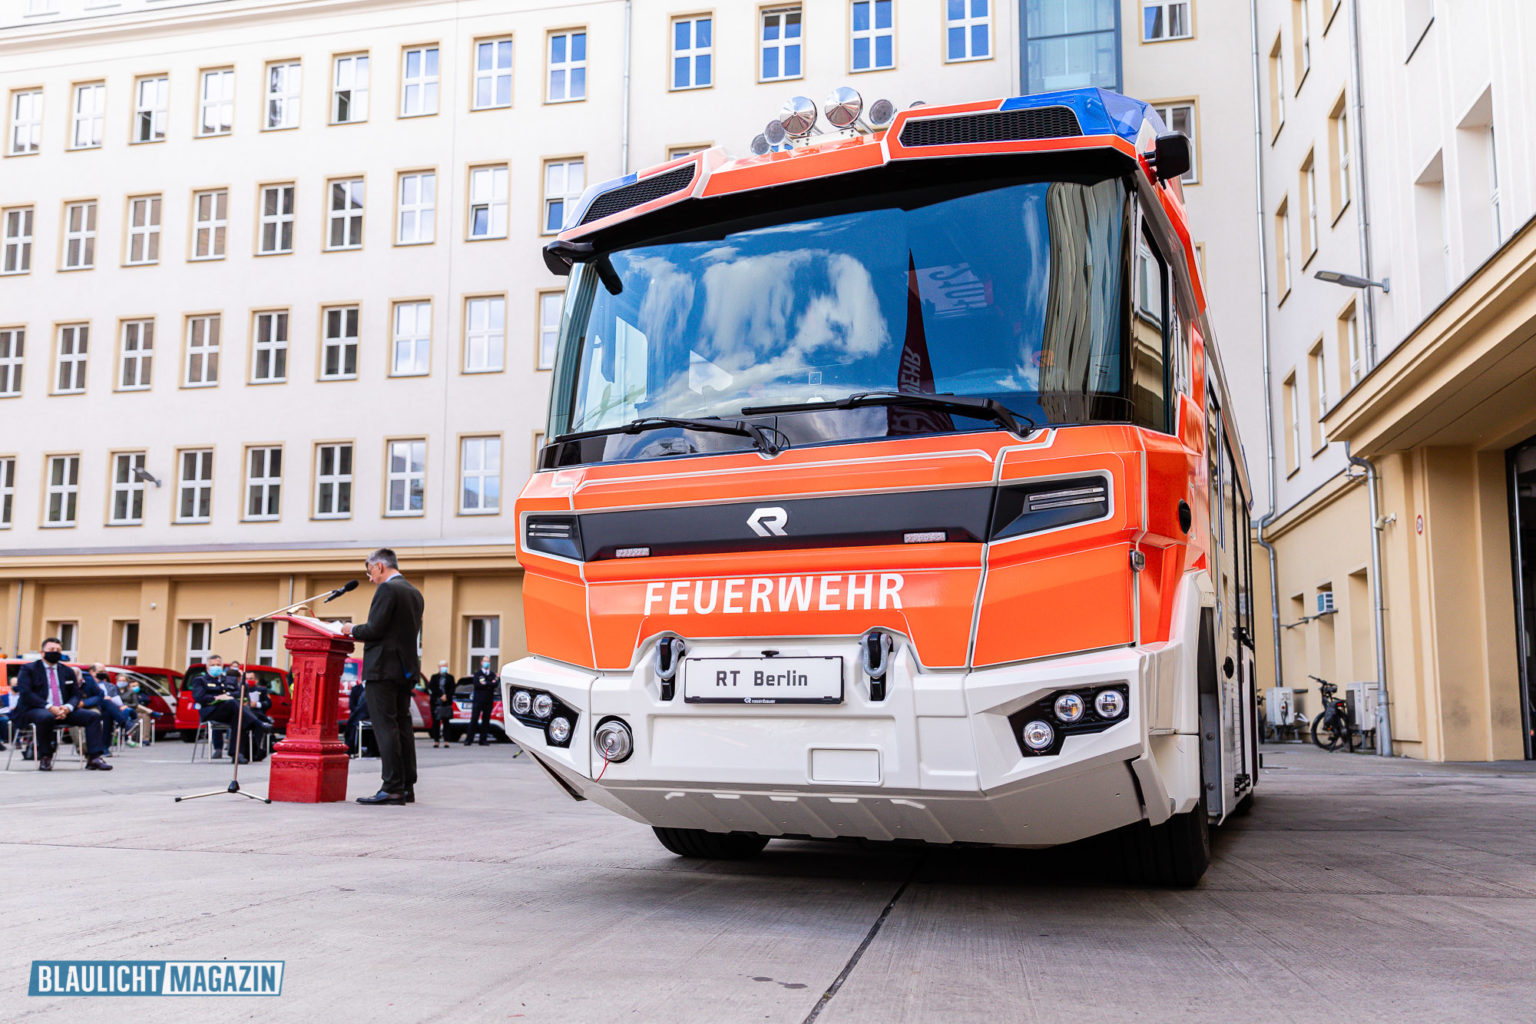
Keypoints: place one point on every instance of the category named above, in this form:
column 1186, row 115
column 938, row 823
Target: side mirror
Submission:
column 1170, row 156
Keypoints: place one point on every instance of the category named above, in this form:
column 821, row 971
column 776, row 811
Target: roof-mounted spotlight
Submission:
column 774, row 133
column 842, row 107
column 798, row 117
column 759, row 145
column 881, row 113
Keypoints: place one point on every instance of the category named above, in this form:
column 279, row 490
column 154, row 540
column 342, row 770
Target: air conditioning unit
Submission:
column 1360, row 705
column 1279, row 706
column 1324, row 602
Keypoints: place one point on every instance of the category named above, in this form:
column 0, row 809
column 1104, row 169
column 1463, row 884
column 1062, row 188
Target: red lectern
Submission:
column 310, row 766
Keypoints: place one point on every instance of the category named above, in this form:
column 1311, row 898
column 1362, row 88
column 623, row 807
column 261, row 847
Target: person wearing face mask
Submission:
column 51, row 696
column 486, row 683
column 440, row 700
column 217, row 695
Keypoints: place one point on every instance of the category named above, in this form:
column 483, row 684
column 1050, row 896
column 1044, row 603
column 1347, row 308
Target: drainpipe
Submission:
column 624, row 127
column 1363, row 215
column 1383, row 720
column 1269, row 416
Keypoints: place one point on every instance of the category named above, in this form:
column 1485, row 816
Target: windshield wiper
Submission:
column 738, row 428
column 981, row 408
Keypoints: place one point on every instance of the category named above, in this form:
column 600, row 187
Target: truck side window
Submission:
column 1149, row 338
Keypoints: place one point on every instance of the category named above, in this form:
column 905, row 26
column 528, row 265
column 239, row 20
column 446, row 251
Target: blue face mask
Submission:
column 485, row 666
column 215, row 670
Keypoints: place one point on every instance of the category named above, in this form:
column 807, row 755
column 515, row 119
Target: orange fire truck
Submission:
column 890, row 492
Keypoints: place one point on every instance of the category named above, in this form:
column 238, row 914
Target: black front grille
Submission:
column 654, row 187
column 994, row 126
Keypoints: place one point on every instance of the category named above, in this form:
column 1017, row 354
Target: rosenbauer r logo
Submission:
column 768, row 521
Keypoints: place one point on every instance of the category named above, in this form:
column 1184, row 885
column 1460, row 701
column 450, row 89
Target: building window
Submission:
column 1276, row 88
column 346, row 215
column 216, row 106
column 1431, row 233
column 1292, row 412
column 276, row 220
column 1309, row 208
column 780, row 44
column 1496, row 207
column 1301, row 28
column 493, row 73
column 1317, row 362
column 128, row 643
column 266, row 643
column 269, row 350
column 63, row 490
column 74, row 340
column 1338, row 125
column 417, row 222
column 874, row 35
column 127, row 489
column 263, row 482
column 1349, row 346
column 418, row 86
column 7, row 491
column 567, row 66
column 693, row 52
column 26, row 122
column 407, row 478
column 484, row 643
column 564, row 181
column 199, row 642
column 13, row 343
column 282, row 96
column 202, row 350
column 349, row 90
column 488, row 202
column 1165, row 19
column 143, row 230
column 195, row 488
column 151, row 105
column 968, row 30
column 80, row 236
column 1069, row 44
column 333, row 481
column 90, row 115
column 485, row 330
column 138, row 355
column 1283, row 249
column 16, row 254
column 480, row 475
column 678, row 152
column 413, row 339
column 338, row 352
column 549, row 327
column 1180, row 117
column 210, row 224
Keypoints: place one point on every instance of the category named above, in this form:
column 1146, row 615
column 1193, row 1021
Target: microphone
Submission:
column 350, row 585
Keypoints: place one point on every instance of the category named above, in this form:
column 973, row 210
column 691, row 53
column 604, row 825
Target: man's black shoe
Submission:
column 98, row 764
column 410, row 795
column 382, row 797
column 45, row 764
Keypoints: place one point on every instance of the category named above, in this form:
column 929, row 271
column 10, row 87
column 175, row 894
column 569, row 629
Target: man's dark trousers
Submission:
column 48, row 738
column 479, row 720
column 389, row 709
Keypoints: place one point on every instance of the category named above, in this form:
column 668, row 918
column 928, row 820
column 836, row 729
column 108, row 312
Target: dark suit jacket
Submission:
column 32, row 685
column 389, row 635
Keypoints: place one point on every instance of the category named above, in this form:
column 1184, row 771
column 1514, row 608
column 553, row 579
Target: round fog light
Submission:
column 560, row 730
column 1109, row 703
column 1038, row 735
column 1069, row 707
column 522, row 700
column 544, row 706
column 614, row 741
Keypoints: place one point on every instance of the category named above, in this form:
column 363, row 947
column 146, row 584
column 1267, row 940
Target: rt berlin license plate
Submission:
column 763, row 680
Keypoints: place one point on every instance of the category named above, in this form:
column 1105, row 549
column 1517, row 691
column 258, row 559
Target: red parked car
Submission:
column 462, row 705
column 276, row 681
column 421, row 709
column 159, row 688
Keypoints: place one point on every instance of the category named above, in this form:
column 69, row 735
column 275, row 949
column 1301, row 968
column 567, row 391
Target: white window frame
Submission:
column 692, row 54
column 69, row 638
column 419, row 91
column 1306, row 41
column 1341, row 141
column 350, row 75
column 1165, row 13
column 137, row 355
column 549, row 328
column 144, row 214
column 1494, row 202
column 199, row 653
column 266, row 643
column 406, row 449
column 1167, row 111
column 13, row 349
column 89, row 119
column 80, row 241
column 194, row 479
column 783, row 44
column 1320, row 382
column 282, row 82
column 339, row 327
column 412, row 338
column 870, row 36
column 1353, row 351
column 269, row 347
column 128, row 642
column 338, row 480
column 280, row 220
column 493, row 75
column 488, row 200
column 26, row 134
column 480, row 464
column 416, row 218
column 560, row 191
column 568, row 68
column 263, row 483
column 485, row 333
column 345, row 208
column 129, row 488
column 1312, row 219
column 151, row 108
column 215, row 102
column 204, row 333
column 61, row 490
column 16, row 254
column 1294, row 399
column 210, row 227
column 966, row 26
column 489, row 645
column 7, row 491
column 74, row 342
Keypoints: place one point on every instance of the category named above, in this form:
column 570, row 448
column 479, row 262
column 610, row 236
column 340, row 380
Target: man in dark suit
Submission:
column 486, row 686
column 51, row 696
column 391, row 669
column 440, row 699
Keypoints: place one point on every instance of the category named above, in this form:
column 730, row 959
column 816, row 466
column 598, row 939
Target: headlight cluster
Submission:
column 544, row 711
column 1043, row 726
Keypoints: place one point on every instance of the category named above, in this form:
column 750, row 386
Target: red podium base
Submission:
column 310, row 766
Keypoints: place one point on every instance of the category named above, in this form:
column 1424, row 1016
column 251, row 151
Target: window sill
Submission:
column 781, row 78
column 144, row 142
column 261, row 519
column 1308, row 261
column 969, row 60
column 34, row 152
column 265, row 381
column 340, row 377
column 569, row 99
column 497, row 106
column 411, row 374
column 405, row 515
column 404, row 245
column 485, row 238
column 191, row 522
column 1283, row 296
column 73, row 391
column 207, row 259
column 403, row 116
column 71, row 270
column 1337, row 216
column 1169, row 39
column 479, row 512
column 81, row 149
column 16, row 273
column 866, row 71
column 56, row 526
column 280, row 128
column 343, row 248
column 690, row 88
column 330, row 518
column 127, row 522
column 1275, row 135
column 1302, row 79
column 215, row 135
column 481, row 370
column 1292, row 472
column 343, row 124
column 276, row 252
column 136, row 387
column 142, row 263
column 202, row 384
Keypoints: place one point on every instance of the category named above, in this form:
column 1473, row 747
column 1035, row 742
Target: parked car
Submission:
column 421, row 708
column 160, row 689
column 462, row 692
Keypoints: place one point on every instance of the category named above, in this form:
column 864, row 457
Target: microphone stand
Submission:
column 248, row 625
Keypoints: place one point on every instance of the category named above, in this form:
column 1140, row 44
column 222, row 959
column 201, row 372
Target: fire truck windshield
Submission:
column 1012, row 292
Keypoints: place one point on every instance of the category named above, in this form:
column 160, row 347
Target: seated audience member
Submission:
column 51, row 697
column 136, row 700
column 7, row 729
column 107, row 700
column 358, row 713
column 217, row 695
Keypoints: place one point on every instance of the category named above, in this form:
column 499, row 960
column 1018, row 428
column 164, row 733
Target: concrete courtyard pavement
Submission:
column 1357, row 888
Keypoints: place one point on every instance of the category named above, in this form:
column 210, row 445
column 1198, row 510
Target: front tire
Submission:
column 697, row 843
column 1174, row 854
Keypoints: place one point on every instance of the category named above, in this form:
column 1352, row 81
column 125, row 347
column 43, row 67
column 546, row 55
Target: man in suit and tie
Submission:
column 52, row 696
column 391, row 669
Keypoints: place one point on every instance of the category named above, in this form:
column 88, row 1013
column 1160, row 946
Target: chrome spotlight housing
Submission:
column 842, row 107
column 798, row 116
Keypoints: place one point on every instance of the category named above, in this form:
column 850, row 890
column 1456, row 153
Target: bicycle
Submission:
column 1330, row 729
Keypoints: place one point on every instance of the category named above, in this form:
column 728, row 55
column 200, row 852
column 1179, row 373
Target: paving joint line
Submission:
column 869, row 937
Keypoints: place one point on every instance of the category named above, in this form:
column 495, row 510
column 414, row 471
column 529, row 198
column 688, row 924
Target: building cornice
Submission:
column 1314, row 504
column 248, row 560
